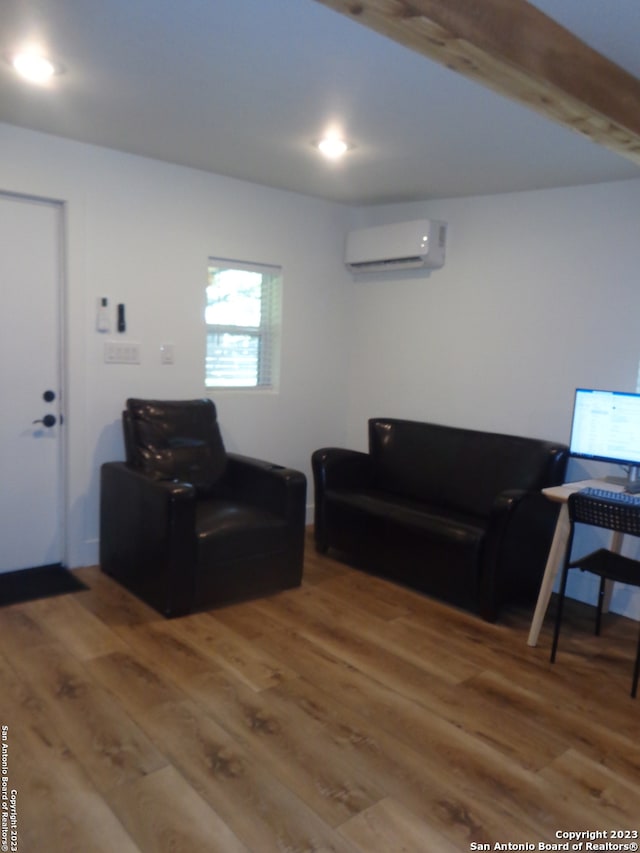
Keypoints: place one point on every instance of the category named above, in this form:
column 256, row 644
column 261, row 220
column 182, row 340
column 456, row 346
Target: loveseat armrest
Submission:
column 335, row 468
column 147, row 535
column 518, row 538
column 339, row 468
column 275, row 488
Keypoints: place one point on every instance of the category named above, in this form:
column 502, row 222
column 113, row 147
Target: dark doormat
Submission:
column 41, row 582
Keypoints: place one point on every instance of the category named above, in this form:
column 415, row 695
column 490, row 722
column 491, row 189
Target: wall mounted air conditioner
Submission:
column 403, row 246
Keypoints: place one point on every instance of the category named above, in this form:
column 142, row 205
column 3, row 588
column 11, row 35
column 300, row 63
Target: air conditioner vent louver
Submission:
column 413, row 262
column 404, row 245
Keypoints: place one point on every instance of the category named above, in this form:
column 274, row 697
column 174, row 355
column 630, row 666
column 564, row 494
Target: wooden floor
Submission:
column 348, row 715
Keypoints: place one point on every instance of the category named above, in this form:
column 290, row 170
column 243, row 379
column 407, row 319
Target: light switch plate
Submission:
column 121, row 352
column 166, row 353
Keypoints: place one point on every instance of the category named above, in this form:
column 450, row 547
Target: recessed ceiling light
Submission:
column 35, row 67
column 333, row 147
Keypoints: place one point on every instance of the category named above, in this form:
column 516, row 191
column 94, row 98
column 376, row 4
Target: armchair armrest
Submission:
column 272, row 487
column 147, row 535
column 519, row 534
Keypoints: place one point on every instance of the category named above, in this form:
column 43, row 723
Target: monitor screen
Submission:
column 606, row 426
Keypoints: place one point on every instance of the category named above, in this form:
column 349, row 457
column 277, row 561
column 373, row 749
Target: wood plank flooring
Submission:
column 349, row 715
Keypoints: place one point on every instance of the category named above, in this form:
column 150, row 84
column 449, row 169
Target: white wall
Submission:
column 540, row 294
column 140, row 232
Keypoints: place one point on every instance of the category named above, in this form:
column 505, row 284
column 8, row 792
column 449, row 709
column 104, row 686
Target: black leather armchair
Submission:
column 185, row 525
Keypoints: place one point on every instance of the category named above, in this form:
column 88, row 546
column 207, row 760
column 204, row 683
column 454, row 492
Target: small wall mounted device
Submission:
column 122, row 323
column 103, row 323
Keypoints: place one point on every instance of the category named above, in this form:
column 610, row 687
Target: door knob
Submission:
column 47, row 420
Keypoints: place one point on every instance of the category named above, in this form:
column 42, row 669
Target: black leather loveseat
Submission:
column 455, row 513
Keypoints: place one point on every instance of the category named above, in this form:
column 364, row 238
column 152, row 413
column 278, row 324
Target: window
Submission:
column 242, row 316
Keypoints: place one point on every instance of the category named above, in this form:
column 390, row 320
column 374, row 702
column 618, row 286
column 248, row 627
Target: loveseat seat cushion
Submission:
column 413, row 515
column 419, row 545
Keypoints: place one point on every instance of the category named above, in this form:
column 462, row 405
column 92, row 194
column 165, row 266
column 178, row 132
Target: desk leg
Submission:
column 554, row 562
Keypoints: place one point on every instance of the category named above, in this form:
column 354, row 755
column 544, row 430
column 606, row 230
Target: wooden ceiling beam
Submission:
column 515, row 49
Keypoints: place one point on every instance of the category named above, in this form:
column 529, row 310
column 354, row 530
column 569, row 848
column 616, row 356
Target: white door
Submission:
column 31, row 504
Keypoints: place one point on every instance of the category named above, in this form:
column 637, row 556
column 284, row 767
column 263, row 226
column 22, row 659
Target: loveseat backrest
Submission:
column 461, row 469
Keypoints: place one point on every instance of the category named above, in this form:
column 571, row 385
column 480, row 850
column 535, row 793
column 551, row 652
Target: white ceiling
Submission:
column 242, row 87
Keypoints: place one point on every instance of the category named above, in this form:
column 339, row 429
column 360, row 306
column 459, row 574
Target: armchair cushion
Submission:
column 227, row 530
column 176, row 440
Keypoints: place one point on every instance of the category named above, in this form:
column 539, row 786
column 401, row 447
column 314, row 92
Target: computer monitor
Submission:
column 606, row 427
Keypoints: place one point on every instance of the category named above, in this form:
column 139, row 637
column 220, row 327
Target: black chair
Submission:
column 187, row 526
column 598, row 512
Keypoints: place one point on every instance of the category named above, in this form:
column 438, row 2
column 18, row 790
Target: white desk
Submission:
column 558, row 548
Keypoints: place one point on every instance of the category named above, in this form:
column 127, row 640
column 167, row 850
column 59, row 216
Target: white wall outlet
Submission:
column 166, row 353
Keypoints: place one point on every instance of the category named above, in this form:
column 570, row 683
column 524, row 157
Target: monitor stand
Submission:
column 633, row 480
column 630, row 483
